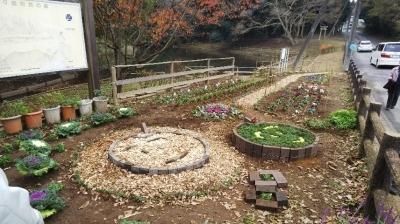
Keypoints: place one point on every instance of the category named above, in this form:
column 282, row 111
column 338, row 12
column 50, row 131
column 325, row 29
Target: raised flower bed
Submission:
column 274, row 141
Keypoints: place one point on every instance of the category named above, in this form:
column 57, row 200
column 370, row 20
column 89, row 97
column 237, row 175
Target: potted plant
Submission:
column 51, row 104
column 33, row 119
column 85, row 107
column 11, row 116
column 100, row 102
column 68, row 107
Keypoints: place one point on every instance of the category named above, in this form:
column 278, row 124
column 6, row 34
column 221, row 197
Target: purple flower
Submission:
column 32, row 161
column 37, row 196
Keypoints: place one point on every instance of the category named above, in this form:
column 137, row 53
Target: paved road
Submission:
column 376, row 79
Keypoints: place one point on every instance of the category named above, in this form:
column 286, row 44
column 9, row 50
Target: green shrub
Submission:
column 344, row 119
column 318, row 124
column 3, row 134
column 36, row 165
column 60, row 148
column 98, row 118
column 51, row 137
column 35, row 146
column 68, row 129
column 126, row 112
column 11, row 109
column 5, row 160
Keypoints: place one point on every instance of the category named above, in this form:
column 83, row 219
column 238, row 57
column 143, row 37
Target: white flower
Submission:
column 205, row 87
column 38, row 143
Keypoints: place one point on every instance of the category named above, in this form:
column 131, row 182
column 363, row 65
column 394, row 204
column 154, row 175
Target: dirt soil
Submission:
column 318, row 187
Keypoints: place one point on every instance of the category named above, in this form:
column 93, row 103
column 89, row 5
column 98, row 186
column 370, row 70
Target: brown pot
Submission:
column 34, row 119
column 68, row 113
column 12, row 125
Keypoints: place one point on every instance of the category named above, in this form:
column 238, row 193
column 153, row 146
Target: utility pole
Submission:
column 352, row 34
column 91, row 49
column 310, row 34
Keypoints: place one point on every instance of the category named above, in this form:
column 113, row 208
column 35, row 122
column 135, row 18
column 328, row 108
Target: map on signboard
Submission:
column 40, row 37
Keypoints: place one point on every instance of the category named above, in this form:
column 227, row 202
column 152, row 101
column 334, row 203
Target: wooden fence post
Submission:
column 368, row 131
column 172, row 69
column 208, row 66
column 114, row 85
column 233, row 65
column 389, row 140
column 359, row 91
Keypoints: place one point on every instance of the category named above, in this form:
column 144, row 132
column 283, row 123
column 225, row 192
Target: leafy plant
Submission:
column 35, row 146
column 98, row 118
column 55, row 187
column 51, row 137
column 276, row 135
column 47, row 201
column 7, row 148
column 60, row 148
column 3, row 134
column 68, row 129
column 126, row 112
column 266, row 196
column 30, row 134
column 266, row 177
column 343, row 119
column 36, row 165
column 318, row 124
column 52, row 99
column 15, row 108
column 215, row 111
column 70, row 101
column 5, row 160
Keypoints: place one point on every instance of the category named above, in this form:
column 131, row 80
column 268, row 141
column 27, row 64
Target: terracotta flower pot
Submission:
column 12, row 125
column 68, row 113
column 34, row 119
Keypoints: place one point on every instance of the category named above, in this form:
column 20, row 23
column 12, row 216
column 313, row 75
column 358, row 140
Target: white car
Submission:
column 386, row 54
column 365, row 45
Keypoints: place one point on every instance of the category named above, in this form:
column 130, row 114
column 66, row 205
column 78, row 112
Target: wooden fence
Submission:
column 208, row 70
column 379, row 145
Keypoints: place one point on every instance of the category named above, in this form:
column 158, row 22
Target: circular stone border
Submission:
column 159, row 170
column 274, row 152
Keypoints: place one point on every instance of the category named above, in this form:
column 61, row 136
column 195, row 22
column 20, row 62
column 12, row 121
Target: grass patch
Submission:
column 318, row 124
column 343, row 119
column 276, row 135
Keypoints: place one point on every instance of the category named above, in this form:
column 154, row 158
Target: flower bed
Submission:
column 216, row 111
column 304, row 98
column 275, row 141
column 47, row 201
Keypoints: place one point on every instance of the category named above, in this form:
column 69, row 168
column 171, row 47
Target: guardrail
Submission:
column 379, row 145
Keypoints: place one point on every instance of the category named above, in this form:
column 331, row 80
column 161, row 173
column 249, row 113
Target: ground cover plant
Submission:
column 11, row 109
column 216, row 111
column 68, row 129
column 5, row 160
column 36, row 165
column 318, row 123
column 98, row 118
column 266, row 177
column 30, row 134
column 124, row 112
column 266, row 196
column 35, row 146
column 344, row 119
column 276, row 135
column 207, row 92
column 302, row 99
column 47, row 201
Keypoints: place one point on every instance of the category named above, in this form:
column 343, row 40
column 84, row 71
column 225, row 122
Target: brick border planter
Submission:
column 160, row 170
column 274, row 152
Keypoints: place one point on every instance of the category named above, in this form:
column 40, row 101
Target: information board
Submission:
column 40, row 37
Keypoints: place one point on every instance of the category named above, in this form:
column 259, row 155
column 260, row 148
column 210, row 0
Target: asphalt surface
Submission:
column 376, row 79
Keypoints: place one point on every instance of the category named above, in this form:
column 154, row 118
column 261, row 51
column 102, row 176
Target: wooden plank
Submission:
column 166, row 76
column 168, row 86
column 169, row 62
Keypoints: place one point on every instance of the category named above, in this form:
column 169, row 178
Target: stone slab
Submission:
column 282, row 199
column 264, row 204
column 265, row 186
column 251, row 195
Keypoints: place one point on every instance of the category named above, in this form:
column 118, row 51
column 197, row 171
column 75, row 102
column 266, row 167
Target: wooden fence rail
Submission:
column 379, row 145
